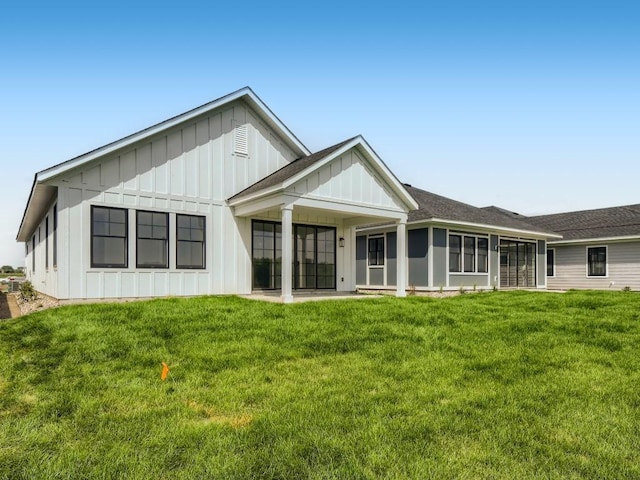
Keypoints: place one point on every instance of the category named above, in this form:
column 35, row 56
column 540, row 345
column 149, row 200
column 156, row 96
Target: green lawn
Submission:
column 491, row 385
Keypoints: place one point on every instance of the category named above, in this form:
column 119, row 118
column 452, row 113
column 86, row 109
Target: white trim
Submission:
column 244, row 93
column 627, row 238
column 376, row 162
column 491, row 228
column 606, row 261
column 429, row 256
column 547, row 263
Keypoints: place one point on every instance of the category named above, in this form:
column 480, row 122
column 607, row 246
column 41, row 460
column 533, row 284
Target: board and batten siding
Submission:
column 348, row 178
column 192, row 169
column 44, row 278
column 623, row 267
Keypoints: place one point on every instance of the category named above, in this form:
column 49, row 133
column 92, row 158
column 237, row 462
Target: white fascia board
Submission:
column 245, row 93
column 488, row 228
column 626, row 238
column 351, row 208
column 376, row 162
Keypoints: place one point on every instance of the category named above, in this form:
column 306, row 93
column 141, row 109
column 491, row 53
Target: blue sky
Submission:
column 533, row 106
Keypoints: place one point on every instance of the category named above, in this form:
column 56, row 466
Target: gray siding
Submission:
column 468, row 281
column 542, row 263
column 376, row 276
column 494, row 261
column 418, row 261
column 361, row 260
column 392, row 251
column 623, row 266
column 439, row 257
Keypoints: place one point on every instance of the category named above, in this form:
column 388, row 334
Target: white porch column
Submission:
column 287, row 253
column 401, row 259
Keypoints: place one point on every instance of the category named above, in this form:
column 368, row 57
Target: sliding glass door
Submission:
column 314, row 256
column 517, row 264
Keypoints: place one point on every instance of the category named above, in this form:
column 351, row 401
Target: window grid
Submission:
column 376, row 251
column 109, row 234
column 152, row 239
column 190, row 241
column 468, row 254
column 597, row 261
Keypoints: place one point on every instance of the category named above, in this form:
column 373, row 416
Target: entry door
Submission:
column 314, row 262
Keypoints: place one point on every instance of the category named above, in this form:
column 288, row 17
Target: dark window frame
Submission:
column 33, row 253
column 377, row 259
column 461, row 254
column 592, row 263
column 126, row 239
column 484, row 266
column 455, row 266
column 551, row 264
column 55, row 236
column 166, row 240
column 204, row 242
column 46, row 242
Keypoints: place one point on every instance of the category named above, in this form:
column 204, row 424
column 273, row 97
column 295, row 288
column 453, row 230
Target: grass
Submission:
column 491, row 385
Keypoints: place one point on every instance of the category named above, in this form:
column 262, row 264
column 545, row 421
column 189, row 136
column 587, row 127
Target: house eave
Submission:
column 245, row 94
column 487, row 227
column 584, row 241
column 40, row 198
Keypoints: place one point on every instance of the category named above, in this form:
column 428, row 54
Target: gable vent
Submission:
column 241, row 140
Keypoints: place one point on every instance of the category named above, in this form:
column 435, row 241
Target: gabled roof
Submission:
column 301, row 167
column 41, row 195
column 601, row 223
column 435, row 207
column 280, row 176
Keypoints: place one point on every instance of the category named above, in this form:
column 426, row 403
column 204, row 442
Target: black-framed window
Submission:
column 190, row 241
column 109, row 233
column 483, row 255
column 46, row 243
column 469, row 254
column 597, row 261
column 266, row 254
column 33, row 253
column 551, row 262
column 152, row 239
column 455, row 253
column 376, row 251
column 55, row 236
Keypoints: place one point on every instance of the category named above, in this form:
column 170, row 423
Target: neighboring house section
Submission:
column 453, row 245
column 599, row 249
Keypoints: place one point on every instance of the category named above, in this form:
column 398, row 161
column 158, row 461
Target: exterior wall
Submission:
column 391, row 260
column 348, row 178
column 541, row 267
column 189, row 169
column 44, row 278
column 623, row 267
column 440, row 260
column 417, row 252
column 494, row 260
column 468, row 280
column 361, row 260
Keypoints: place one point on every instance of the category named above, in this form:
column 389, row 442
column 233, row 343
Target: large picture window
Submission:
column 190, row 241
column 152, row 233
column 597, row 261
column 376, row 251
column 109, row 237
column 468, row 254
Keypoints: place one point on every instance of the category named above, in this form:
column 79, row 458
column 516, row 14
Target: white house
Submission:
column 221, row 199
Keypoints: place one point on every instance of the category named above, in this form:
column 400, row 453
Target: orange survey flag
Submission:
column 165, row 371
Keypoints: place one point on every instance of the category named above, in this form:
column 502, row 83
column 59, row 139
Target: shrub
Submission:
column 626, row 289
column 27, row 292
